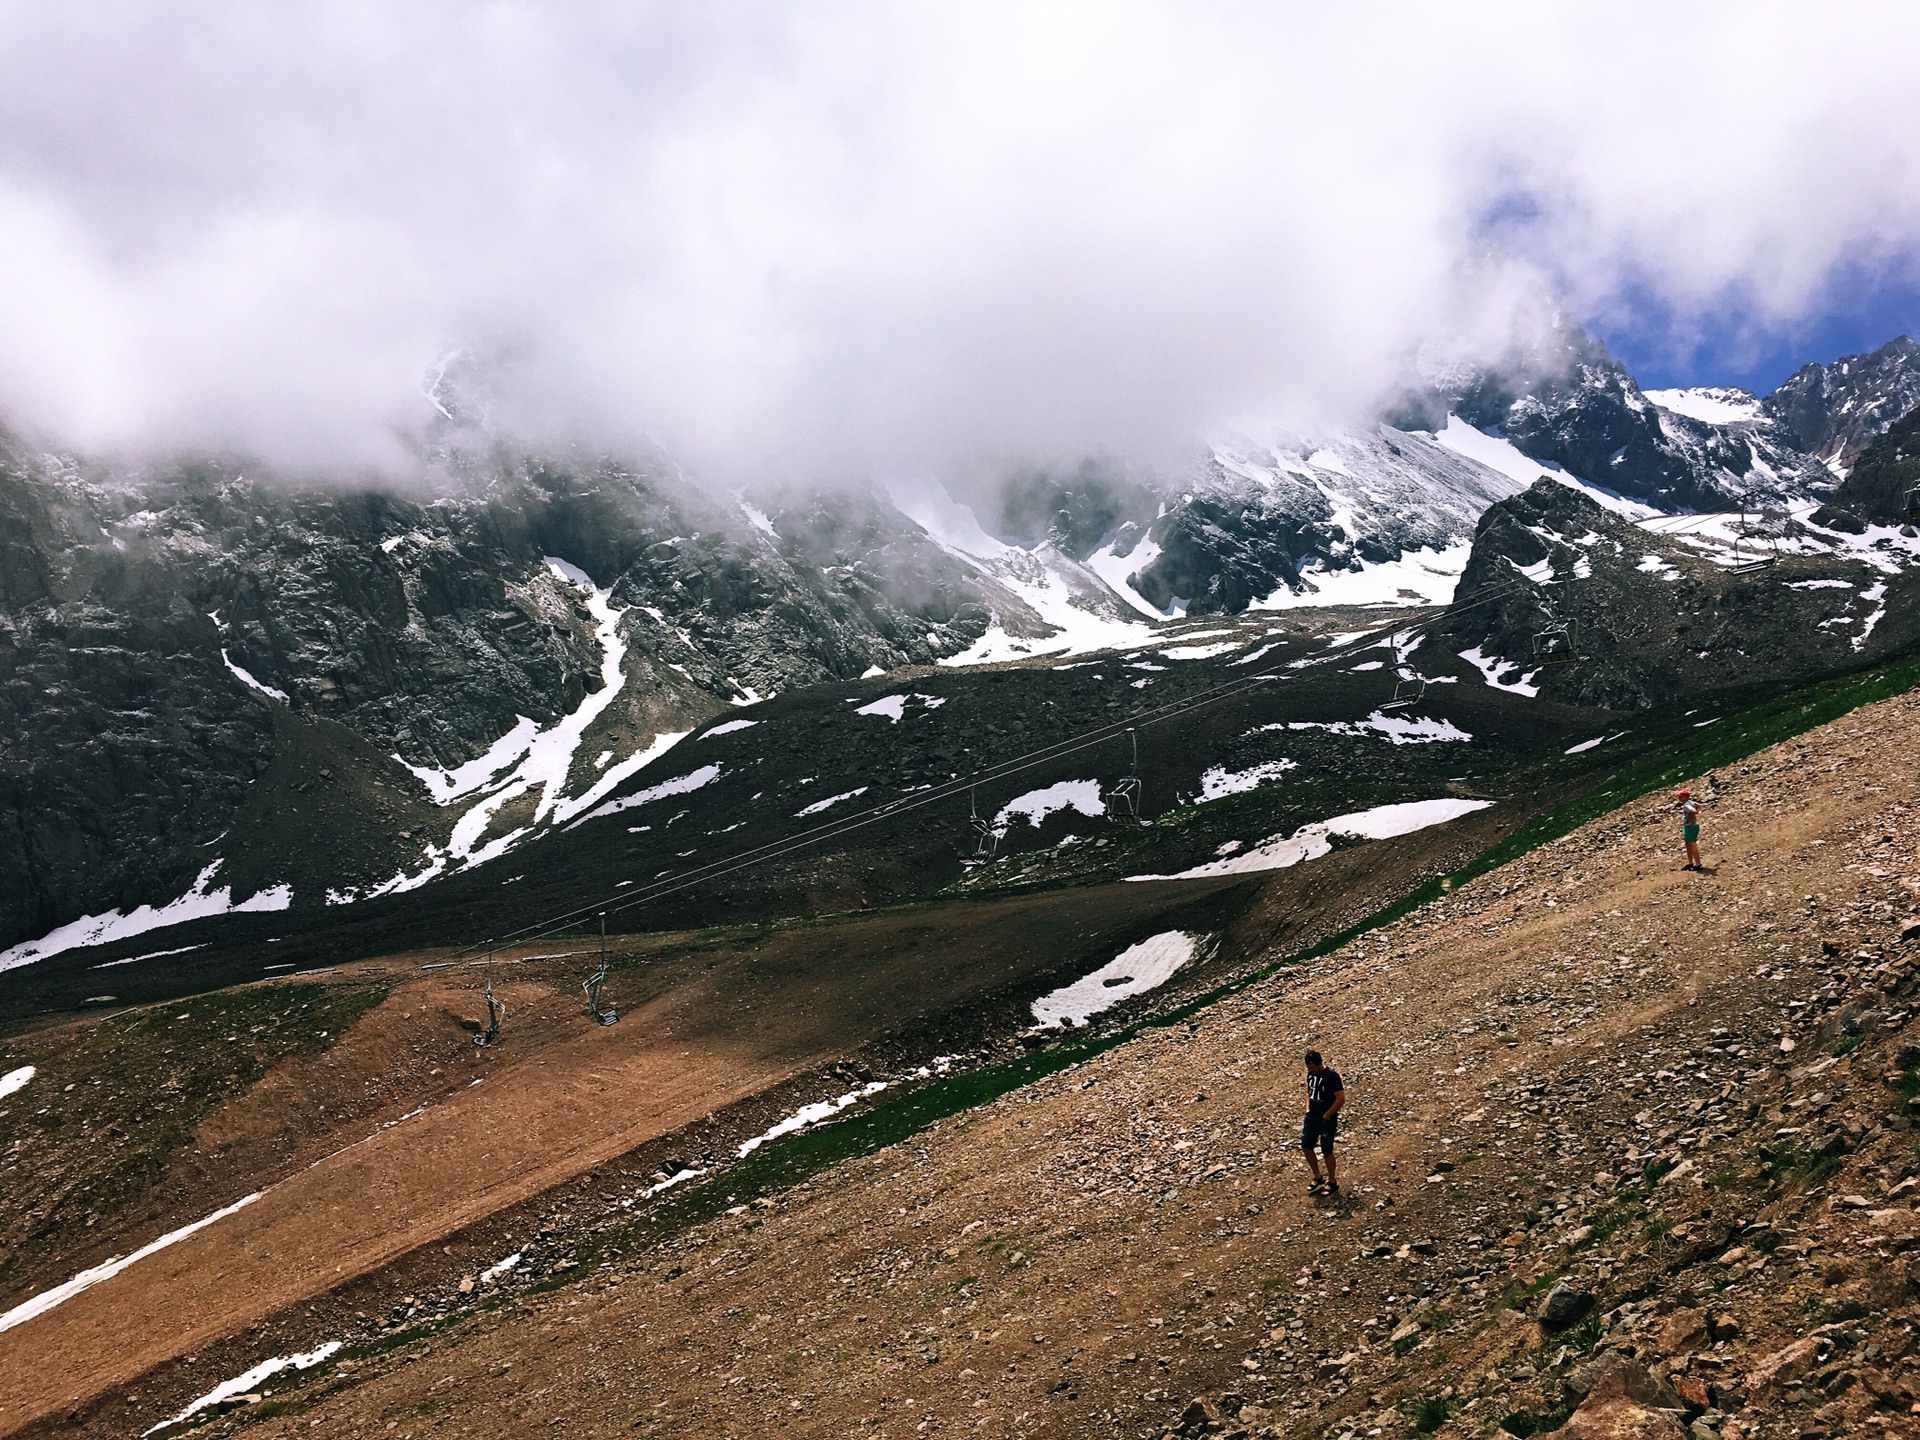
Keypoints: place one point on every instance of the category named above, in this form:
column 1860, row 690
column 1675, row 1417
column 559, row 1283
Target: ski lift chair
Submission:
column 1123, row 802
column 1407, row 692
column 1554, row 645
column 602, row 1013
column 1755, row 558
column 496, row 1011
column 986, row 840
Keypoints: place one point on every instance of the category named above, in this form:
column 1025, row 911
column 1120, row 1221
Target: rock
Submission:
column 1200, row 1412
column 1563, row 1306
column 1723, row 1326
column 1692, row 1389
column 1615, row 1376
column 1786, row 1366
column 1621, row 1420
column 1685, row 1329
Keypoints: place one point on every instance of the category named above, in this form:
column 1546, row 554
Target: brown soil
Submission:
column 1575, row 1066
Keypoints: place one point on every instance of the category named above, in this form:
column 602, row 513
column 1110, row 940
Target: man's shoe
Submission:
column 1318, row 1187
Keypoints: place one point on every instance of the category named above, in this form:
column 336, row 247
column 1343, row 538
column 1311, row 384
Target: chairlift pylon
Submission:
column 1913, row 502
column 496, row 1011
column 604, row 1014
column 1123, row 803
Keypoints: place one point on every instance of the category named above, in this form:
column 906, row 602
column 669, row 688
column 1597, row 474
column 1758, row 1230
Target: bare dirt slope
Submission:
column 1586, row 1067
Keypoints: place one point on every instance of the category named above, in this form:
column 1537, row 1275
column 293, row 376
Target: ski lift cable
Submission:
column 893, row 809
column 774, row 849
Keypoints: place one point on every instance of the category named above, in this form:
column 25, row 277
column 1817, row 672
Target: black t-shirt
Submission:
column 1322, row 1088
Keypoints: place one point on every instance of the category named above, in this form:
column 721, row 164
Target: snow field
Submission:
column 15, row 1080
column 1134, row 971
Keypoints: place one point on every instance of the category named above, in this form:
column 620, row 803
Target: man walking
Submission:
column 1690, row 828
column 1325, row 1095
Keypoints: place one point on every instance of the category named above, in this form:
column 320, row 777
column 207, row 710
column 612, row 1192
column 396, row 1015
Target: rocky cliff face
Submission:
column 177, row 646
column 1883, row 483
column 1572, row 406
column 1833, row 412
column 1588, row 607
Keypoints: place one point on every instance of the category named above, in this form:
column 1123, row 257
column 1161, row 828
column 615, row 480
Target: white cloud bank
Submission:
column 894, row 239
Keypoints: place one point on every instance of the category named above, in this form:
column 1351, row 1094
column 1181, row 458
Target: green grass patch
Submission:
column 1908, row 1085
column 1790, row 1163
column 1426, row 1413
column 1845, row 1045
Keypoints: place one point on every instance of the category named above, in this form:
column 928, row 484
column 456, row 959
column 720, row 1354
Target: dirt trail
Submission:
column 581, row 1099
column 1586, row 1066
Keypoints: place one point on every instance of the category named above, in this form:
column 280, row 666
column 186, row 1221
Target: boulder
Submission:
column 1563, row 1306
column 1786, row 1366
column 1615, row 1376
column 1685, row 1329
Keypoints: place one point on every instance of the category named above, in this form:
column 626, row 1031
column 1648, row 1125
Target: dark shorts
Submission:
column 1321, row 1128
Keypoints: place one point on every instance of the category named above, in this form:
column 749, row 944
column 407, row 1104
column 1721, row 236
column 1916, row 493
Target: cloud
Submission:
column 875, row 240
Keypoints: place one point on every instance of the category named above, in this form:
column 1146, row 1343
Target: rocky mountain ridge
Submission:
column 186, row 650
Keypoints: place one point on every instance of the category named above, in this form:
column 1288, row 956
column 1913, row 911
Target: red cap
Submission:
column 1682, row 794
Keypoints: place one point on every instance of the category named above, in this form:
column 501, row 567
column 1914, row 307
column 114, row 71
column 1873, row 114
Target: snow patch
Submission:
column 197, row 904
column 1419, row 577
column 1425, row 730
column 251, row 1380
column 1036, row 805
column 729, row 728
column 1134, row 971
column 680, row 785
column 1493, row 669
column 1309, row 842
column 1200, row 652
column 1219, row 781
column 247, row 679
column 15, row 1080
column 819, row 805
column 87, row 1279
column 812, row 1115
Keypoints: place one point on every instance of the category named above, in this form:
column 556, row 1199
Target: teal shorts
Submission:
column 1689, row 833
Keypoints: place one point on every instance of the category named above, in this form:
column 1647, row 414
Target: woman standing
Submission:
column 1690, row 828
